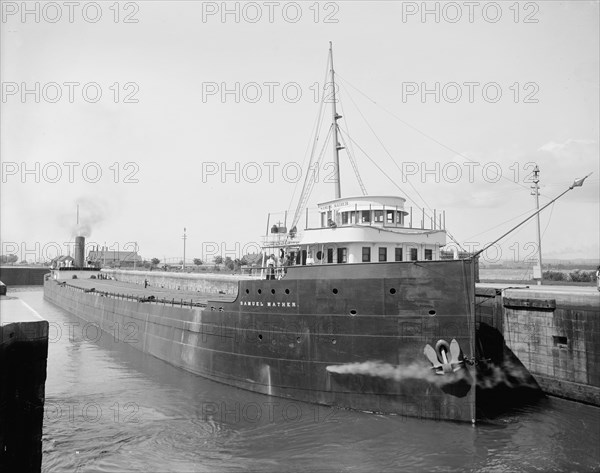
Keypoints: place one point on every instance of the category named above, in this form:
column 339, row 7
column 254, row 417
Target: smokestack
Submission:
column 79, row 252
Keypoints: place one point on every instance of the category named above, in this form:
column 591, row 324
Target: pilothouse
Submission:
column 359, row 229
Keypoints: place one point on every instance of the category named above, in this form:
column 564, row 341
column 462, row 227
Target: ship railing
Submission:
column 267, row 272
column 280, row 241
column 137, row 298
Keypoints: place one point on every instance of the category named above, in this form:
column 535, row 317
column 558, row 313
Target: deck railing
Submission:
column 132, row 297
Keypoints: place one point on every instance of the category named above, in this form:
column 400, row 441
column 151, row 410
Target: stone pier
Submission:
column 23, row 356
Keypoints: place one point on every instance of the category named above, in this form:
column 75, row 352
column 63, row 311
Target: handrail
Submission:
column 151, row 299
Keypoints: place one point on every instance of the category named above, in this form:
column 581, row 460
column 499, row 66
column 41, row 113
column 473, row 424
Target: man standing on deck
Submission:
column 271, row 267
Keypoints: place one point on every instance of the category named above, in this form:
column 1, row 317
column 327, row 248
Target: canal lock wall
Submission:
column 555, row 335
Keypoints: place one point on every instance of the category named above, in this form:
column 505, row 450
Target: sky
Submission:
column 158, row 116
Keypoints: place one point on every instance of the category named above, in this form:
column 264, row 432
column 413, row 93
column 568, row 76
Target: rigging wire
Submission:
column 316, row 129
column 396, row 185
column 354, row 165
column 310, row 181
column 350, row 150
column 549, row 219
column 422, row 132
column 391, row 157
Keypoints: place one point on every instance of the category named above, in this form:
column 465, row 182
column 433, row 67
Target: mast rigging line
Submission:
column 425, row 134
column 309, row 181
column 390, row 156
column 313, row 141
column 400, row 189
column 350, row 151
column 353, row 163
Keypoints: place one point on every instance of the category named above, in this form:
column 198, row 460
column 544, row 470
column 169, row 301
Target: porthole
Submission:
column 298, row 339
column 272, row 291
column 247, row 291
column 333, row 341
column 260, row 336
column 432, row 312
column 260, row 291
column 287, row 291
column 353, row 312
column 334, row 290
column 392, row 291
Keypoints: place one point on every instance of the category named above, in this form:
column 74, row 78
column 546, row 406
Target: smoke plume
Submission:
column 92, row 211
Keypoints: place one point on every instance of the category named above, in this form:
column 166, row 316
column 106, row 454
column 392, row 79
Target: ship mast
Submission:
column 335, row 117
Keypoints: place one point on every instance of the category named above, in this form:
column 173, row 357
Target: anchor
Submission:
column 445, row 358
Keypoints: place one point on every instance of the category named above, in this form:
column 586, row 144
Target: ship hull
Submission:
column 351, row 336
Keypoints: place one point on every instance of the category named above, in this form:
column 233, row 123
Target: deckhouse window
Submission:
column 366, row 254
column 400, row 218
column 429, row 255
column 389, row 216
column 398, row 254
column 365, row 216
column 330, row 255
column 344, row 218
column 323, row 219
column 382, row 253
column 342, row 255
column 378, row 216
column 413, row 254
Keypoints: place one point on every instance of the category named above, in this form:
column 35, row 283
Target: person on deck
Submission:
column 271, row 267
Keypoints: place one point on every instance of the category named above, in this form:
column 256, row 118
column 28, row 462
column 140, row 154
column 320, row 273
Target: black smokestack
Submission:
column 79, row 252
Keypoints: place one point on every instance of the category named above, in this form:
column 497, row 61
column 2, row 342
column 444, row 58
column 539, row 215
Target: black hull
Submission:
column 341, row 335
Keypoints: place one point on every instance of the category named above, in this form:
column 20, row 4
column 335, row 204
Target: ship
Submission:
column 362, row 309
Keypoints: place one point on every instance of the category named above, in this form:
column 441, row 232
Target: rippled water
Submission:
column 110, row 408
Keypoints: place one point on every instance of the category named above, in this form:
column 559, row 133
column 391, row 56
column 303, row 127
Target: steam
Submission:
column 489, row 376
column 379, row 369
column 510, row 374
column 92, row 211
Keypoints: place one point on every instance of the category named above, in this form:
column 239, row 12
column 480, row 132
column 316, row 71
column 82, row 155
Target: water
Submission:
column 110, row 408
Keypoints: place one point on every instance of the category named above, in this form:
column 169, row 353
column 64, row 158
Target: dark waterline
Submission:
column 111, row 408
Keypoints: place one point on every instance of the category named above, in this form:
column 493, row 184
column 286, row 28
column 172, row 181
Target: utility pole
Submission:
column 576, row 183
column 536, row 192
column 184, row 238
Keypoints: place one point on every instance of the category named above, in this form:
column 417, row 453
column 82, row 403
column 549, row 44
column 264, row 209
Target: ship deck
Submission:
column 136, row 290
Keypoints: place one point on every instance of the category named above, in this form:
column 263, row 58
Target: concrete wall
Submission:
column 205, row 282
column 22, row 276
column 555, row 334
column 23, row 356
